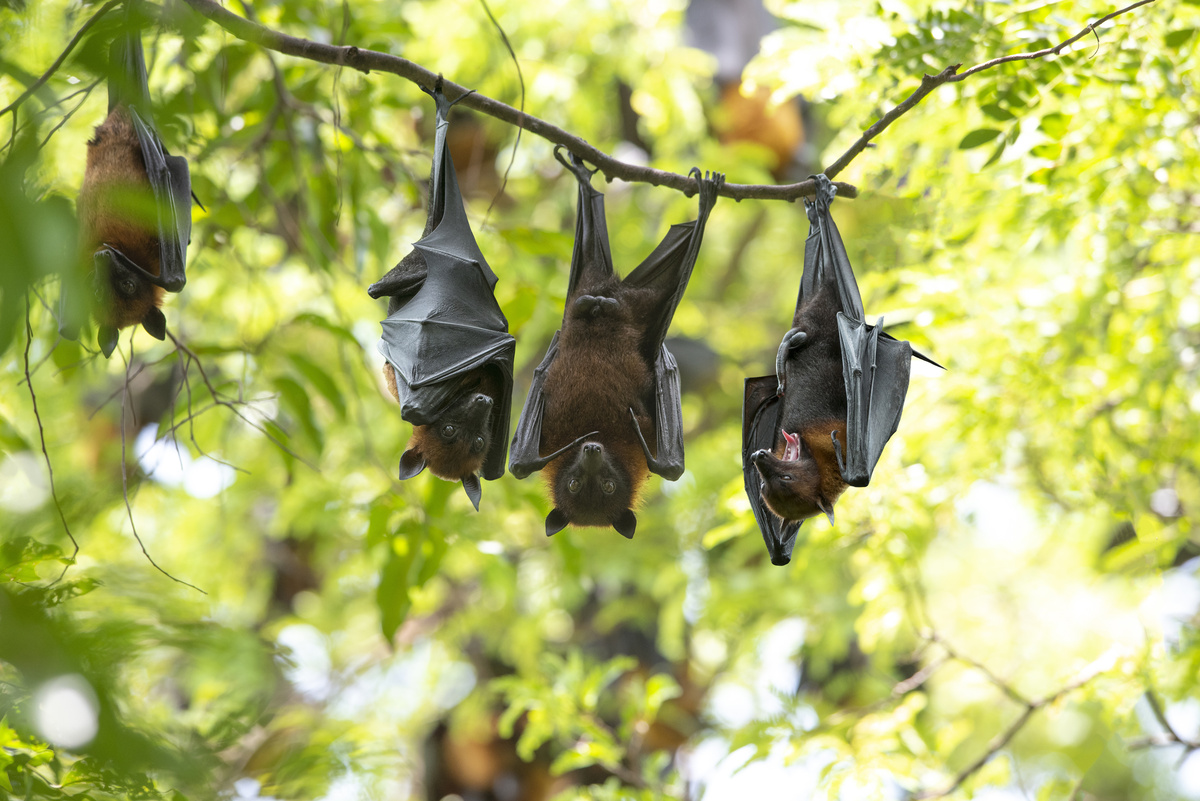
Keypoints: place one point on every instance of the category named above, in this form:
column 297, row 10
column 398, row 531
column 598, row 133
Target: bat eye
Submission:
column 478, row 444
column 785, row 476
column 573, row 485
column 126, row 287
column 447, row 431
column 609, row 486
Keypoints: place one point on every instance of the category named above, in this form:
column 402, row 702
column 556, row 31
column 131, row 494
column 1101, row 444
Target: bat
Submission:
column 448, row 352
column 820, row 423
column 607, row 384
column 134, row 209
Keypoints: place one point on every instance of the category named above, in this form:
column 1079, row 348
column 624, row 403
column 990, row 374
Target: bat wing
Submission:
column 761, row 408
column 669, row 267
column 668, row 418
column 591, row 258
column 171, row 184
column 876, row 372
column 450, row 328
column 444, row 321
column 525, row 454
column 825, row 259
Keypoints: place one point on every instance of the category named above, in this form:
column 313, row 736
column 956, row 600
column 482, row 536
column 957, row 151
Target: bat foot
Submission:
column 594, row 305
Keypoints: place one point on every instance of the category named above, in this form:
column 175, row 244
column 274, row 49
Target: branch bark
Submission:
column 368, row 60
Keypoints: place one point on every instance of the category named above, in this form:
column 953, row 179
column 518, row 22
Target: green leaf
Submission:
column 980, row 136
column 321, row 381
column 1055, row 125
column 1179, row 38
column 997, row 112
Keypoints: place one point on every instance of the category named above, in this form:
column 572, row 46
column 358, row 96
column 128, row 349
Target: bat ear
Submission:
column 471, row 484
column 107, row 340
column 556, row 521
column 826, row 507
column 412, row 463
column 625, row 524
column 155, row 324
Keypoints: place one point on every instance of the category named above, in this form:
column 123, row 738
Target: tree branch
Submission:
column 952, row 75
column 1097, row 667
column 33, row 87
column 367, row 60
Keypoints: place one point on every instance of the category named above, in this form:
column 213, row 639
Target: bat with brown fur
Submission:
column 134, row 208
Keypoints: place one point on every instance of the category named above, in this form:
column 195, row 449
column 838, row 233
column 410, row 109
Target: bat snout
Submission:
column 482, row 400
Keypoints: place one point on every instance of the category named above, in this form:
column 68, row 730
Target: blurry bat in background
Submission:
column 607, row 383
column 448, row 350
column 820, row 423
column 134, row 208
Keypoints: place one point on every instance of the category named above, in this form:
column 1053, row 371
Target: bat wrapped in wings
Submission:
column 134, row 208
column 603, row 411
column 820, row 423
column 449, row 354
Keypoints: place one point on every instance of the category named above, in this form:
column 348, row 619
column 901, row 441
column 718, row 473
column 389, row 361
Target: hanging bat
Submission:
column 449, row 354
column 820, row 423
column 607, row 383
column 134, row 208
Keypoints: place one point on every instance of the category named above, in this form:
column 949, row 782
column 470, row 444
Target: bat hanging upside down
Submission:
column 820, row 423
column 134, row 209
column 604, row 406
column 449, row 354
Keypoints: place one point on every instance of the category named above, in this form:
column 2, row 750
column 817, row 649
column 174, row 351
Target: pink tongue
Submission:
column 792, row 451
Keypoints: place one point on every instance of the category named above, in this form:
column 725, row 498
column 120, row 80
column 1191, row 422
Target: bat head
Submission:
column 124, row 298
column 454, row 447
column 792, row 488
column 592, row 488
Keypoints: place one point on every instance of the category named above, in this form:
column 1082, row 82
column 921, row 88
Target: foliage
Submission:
column 1022, row 565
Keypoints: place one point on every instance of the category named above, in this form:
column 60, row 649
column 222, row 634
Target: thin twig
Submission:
column 952, row 75
column 231, row 405
column 1096, row 668
column 92, row 20
column 521, row 78
column 45, row 453
column 69, row 114
column 125, row 477
column 367, row 60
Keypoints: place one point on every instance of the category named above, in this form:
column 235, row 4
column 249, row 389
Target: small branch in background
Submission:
column 1169, row 736
column 45, row 453
column 58, row 62
column 521, row 78
column 125, row 478
column 1096, row 668
column 188, row 357
column 952, row 75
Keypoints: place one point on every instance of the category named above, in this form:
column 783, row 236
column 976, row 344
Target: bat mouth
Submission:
column 792, row 450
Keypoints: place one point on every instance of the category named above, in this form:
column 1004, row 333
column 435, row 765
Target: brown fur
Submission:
column 815, row 475
column 116, row 207
column 599, row 375
column 452, row 462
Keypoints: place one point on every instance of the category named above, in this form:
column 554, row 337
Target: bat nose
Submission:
column 481, row 399
column 591, row 447
column 759, row 456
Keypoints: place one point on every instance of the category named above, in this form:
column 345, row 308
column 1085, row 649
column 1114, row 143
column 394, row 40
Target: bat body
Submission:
column 603, row 411
column 449, row 354
column 134, row 208
column 820, row 423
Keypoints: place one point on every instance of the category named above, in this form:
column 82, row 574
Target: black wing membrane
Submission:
column 169, row 178
column 761, row 410
column 444, row 321
column 875, row 368
column 667, row 270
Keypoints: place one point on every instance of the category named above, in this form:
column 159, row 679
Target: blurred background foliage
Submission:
column 1009, row 611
